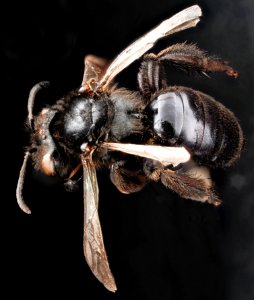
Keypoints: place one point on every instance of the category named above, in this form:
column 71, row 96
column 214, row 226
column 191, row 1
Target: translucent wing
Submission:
column 186, row 18
column 163, row 154
column 94, row 249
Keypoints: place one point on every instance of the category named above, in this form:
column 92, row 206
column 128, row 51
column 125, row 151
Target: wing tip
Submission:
column 197, row 8
column 111, row 287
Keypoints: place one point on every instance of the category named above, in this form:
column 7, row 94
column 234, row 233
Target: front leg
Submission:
column 185, row 57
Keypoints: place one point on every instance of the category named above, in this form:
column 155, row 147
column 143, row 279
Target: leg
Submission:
column 127, row 177
column 188, row 180
column 186, row 57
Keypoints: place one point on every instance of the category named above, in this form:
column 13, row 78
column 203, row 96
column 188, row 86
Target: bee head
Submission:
column 43, row 147
column 46, row 153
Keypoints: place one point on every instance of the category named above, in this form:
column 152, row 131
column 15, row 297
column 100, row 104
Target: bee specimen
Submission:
column 172, row 134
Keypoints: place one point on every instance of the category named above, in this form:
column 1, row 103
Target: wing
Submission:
column 94, row 249
column 186, row 18
column 163, row 154
column 95, row 68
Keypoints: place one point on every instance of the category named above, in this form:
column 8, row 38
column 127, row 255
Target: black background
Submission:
column 159, row 246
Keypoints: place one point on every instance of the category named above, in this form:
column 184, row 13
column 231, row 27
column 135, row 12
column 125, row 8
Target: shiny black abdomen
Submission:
column 184, row 117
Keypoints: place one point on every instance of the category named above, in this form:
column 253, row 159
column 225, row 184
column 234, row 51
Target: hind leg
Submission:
column 185, row 57
column 188, row 180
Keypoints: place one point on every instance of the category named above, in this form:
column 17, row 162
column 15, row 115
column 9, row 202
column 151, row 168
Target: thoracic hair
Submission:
column 128, row 120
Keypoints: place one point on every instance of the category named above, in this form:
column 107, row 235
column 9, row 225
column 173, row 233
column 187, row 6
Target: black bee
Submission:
column 160, row 132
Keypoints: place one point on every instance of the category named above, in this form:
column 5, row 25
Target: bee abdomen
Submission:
column 223, row 128
column 211, row 132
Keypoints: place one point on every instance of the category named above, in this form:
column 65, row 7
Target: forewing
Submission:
column 163, row 154
column 186, row 18
column 94, row 249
